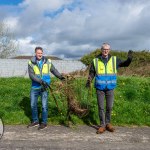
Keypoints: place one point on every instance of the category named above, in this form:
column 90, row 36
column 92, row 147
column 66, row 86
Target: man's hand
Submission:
column 63, row 78
column 130, row 54
column 44, row 84
column 88, row 84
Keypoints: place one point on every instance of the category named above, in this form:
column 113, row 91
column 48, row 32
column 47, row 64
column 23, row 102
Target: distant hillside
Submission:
column 29, row 57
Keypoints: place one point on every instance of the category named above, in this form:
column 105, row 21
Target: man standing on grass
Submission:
column 39, row 68
column 104, row 69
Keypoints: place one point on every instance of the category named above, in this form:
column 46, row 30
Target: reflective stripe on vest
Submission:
column 43, row 73
column 106, row 74
column 109, row 69
column 45, row 69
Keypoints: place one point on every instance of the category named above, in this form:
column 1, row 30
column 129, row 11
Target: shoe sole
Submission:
column 99, row 132
column 32, row 126
column 110, row 130
column 42, row 128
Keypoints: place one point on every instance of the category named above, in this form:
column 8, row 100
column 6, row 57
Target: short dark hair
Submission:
column 38, row 48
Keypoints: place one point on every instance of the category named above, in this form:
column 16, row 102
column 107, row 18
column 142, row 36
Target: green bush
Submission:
column 138, row 56
column 140, row 65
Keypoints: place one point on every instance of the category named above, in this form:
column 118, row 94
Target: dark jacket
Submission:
column 120, row 63
column 32, row 75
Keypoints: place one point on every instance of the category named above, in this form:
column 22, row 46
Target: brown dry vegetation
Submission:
column 140, row 70
column 67, row 91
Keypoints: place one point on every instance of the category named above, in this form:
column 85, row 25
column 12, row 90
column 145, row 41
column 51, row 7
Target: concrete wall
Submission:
column 16, row 67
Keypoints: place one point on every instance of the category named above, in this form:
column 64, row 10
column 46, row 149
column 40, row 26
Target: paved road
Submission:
column 79, row 138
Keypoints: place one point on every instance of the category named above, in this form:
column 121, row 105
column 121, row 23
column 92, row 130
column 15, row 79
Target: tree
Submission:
column 8, row 46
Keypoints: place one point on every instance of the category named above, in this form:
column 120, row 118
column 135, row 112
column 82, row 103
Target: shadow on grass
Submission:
column 25, row 106
column 55, row 114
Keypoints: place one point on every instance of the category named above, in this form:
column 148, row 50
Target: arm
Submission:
column 92, row 71
column 91, row 75
column 55, row 72
column 32, row 75
column 125, row 63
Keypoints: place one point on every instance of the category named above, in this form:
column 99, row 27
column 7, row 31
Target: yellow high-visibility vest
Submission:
column 106, row 74
column 110, row 68
column 43, row 73
column 45, row 69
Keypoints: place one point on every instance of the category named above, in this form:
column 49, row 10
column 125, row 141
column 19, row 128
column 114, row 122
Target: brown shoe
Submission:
column 110, row 128
column 100, row 130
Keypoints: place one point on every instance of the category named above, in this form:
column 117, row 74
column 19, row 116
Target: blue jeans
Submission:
column 34, row 94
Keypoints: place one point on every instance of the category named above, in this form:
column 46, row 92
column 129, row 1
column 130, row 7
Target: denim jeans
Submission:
column 105, row 116
column 34, row 94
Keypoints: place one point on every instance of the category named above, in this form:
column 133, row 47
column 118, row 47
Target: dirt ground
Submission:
column 78, row 138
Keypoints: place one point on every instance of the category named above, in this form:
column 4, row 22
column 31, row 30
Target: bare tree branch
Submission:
column 8, row 46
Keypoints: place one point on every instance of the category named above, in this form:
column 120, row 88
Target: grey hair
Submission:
column 105, row 44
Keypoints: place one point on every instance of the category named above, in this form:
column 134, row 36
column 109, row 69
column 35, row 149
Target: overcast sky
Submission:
column 72, row 28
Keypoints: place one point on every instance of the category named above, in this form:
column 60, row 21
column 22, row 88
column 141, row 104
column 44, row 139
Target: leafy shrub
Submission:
column 140, row 64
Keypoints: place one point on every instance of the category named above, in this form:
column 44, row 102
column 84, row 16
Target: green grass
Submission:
column 131, row 105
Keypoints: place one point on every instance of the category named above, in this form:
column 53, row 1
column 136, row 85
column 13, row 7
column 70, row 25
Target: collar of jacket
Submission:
column 34, row 60
column 100, row 57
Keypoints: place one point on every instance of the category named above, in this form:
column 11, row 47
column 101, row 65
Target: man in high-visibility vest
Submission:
column 104, row 69
column 39, row 68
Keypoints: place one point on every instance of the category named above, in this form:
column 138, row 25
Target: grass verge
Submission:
column 131, row 105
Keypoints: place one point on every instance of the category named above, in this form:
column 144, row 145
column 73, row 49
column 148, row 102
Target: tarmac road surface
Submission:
column 78, row 138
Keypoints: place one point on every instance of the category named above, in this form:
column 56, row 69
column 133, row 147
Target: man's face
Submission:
column 105, row 51
column 39, row 54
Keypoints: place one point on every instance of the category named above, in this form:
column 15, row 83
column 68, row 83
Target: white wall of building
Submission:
column 19, row 67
